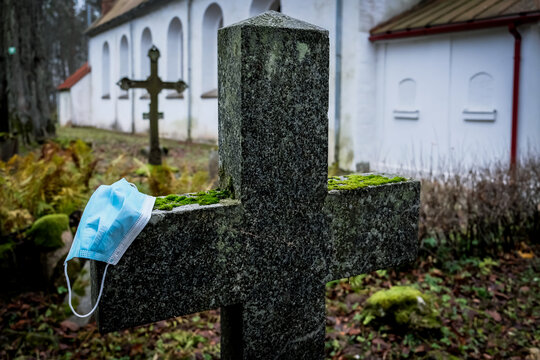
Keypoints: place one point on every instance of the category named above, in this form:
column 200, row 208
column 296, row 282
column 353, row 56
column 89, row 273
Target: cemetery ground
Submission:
column 479, row 298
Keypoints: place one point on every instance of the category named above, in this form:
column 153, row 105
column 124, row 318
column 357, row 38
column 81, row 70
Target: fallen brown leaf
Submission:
column 495, row 315
column 66, row 324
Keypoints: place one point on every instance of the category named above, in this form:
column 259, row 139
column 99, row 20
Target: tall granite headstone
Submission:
column 264, row 256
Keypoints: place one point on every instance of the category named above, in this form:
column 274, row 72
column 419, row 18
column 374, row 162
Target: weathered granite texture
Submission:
column 372, row 228
column 265, row 257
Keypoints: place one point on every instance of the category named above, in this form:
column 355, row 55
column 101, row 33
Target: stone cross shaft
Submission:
column 264, row 256
column 153, row 85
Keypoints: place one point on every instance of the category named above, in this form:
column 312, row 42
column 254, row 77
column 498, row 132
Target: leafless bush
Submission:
column 483, row 211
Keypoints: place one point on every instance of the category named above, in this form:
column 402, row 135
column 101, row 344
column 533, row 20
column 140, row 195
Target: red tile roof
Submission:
column 75, row 77
column 430, row 14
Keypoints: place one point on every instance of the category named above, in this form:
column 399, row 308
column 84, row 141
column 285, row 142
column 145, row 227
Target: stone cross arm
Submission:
column 196, row 258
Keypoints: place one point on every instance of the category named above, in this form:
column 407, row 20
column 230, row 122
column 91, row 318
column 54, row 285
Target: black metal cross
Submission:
column 153, row 85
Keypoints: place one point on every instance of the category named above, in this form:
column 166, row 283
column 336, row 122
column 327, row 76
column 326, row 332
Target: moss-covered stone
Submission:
column 202, row 198
column 356, row 181
column 403, row 306
column 348, row 182
column 47, row 230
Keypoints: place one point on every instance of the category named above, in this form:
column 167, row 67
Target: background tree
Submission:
column 26, row 74
column 49, row 42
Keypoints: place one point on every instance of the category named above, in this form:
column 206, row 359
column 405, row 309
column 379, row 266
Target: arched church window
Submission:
column 480, row 98
column 146, row 44
column 124, row 64
column 212, row 21
column 406, row 109
column 105, row 72
column 174, row 54
column 260, row 6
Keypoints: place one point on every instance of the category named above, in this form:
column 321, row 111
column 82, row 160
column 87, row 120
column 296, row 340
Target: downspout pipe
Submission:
column 337, row 99
column 515, row 93
column 189, row 77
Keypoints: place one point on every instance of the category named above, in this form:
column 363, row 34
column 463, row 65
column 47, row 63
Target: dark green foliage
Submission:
column 55, row 181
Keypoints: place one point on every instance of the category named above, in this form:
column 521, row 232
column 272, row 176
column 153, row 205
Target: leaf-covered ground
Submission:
column 489, row 310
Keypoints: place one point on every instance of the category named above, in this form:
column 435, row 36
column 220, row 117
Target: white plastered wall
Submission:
column 118, row 114
column 443, row 139
column 358, row 64
column 74, row 104
column 80, row 101
column 64, row 108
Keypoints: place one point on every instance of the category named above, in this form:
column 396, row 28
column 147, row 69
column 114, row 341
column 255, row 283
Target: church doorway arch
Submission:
column 146, row 44
column 174, row 51
column 106, row 72
column 124, row 63
column 212, row 21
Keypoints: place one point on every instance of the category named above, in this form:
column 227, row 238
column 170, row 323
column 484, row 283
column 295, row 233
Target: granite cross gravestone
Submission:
column 264, row 256
column 153, row 85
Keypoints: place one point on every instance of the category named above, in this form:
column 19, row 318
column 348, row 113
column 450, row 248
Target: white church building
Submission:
column 418, row 85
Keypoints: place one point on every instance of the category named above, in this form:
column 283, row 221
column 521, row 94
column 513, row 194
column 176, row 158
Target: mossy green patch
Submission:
column 47, row 230
column 403, row 306
column 356, row 181
column 202, row 198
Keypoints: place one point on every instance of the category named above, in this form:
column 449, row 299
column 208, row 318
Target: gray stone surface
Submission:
column 265, row 256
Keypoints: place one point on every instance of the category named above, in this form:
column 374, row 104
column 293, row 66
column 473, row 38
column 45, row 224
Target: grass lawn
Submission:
column 109, row 145
column 123, row 155
column 483, row 308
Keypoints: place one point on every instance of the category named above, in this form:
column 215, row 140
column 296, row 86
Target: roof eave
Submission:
column 127, row 16
column 456, row 27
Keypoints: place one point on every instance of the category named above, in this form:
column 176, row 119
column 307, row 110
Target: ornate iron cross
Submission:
column 153, row 85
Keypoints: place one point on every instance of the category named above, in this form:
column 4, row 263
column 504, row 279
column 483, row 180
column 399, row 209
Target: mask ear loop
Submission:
column 69, row 292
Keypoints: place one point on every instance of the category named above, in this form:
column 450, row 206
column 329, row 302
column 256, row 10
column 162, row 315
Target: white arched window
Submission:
column 212, row 21
column 480, row 92
column 406, row 109
column 260, row 6
column 124, row 63
column 174, row 53
column 146, row 44
column 480, row 103
column 105, row 72
column 407, row 94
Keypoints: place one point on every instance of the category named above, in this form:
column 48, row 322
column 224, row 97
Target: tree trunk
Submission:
column 26, row 73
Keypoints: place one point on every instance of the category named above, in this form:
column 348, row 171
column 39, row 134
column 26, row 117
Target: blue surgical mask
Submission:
column 112, row 219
